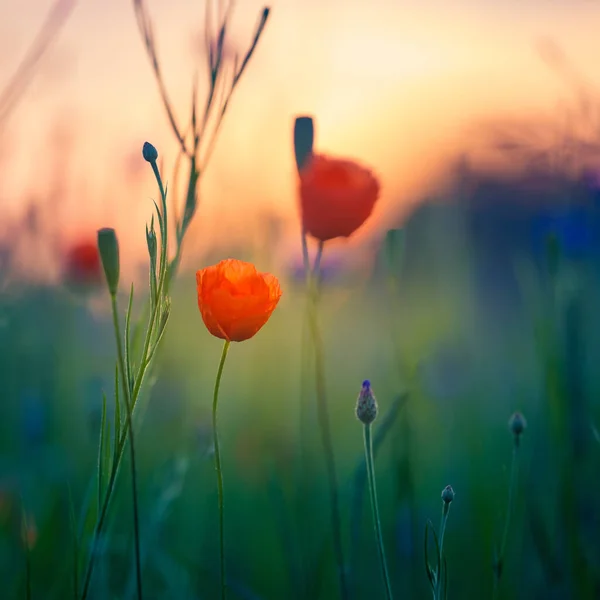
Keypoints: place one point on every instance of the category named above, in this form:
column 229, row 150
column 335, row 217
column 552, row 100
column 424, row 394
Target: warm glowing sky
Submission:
column 392, row 82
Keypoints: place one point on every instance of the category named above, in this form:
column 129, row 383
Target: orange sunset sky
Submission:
column 393, row 83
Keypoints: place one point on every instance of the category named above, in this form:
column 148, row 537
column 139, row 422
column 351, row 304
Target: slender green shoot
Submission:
column 219, row 470
column 368, row 439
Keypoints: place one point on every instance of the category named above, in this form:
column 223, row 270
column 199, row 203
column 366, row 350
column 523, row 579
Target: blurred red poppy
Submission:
column 336, row 196
column 82, row 265
column 235, row 300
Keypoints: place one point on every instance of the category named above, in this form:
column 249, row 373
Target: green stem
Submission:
column 438, row 587
column 325, row 429
column 511, row 495
column 101, row 521
column 126, row 393
column 317, row 267
column 375, row 507
column 218, row 469
column 305, row 258
column 306, row 457
column 163, row 198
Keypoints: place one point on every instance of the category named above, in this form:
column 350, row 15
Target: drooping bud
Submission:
column 304, row 139
column 366, row 404
column 149, row 152
column 108, row 247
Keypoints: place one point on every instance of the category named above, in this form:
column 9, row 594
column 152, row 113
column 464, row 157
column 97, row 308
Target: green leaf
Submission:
column 428, row 569
column 161, row 223
column 87, row 518
column 128, row 361
column 432, row 574
column 151, row 242
column 106, row 459
column 101, row 450
column 163, row 241
column 117, row 435
column 437, row 552
column 139, row 325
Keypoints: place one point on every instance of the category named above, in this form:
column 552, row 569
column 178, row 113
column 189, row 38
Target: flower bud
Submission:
column 517, row 424
column 149, row 152
column 366, row 404
column 108, row 246
column 152, row 247
column 447, row 494
column 151, row 240
column 304, row 139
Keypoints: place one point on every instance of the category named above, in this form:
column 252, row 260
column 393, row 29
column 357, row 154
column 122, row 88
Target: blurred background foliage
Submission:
column 474, row 295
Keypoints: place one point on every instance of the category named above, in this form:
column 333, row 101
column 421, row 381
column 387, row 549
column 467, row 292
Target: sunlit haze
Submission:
column 394, row 84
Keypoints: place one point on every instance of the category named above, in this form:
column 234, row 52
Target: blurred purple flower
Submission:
column 332, row 268
column 574, row 229
column 591, row 179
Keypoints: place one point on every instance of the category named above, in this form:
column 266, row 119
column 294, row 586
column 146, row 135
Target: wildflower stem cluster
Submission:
column 127, row 377
column 127, row 397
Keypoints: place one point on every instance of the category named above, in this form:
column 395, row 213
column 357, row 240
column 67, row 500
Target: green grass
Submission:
column 452, row 432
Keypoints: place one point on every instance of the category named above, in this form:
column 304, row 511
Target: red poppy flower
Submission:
column 83, row 265
column 235, row 300
column 336, row 196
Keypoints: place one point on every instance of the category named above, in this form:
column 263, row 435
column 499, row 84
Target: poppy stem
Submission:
column 324, row 425
column 218, row 468
column 305, row 257
column 317, row 267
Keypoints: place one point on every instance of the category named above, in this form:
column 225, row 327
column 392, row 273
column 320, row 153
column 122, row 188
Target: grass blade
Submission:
column 117, row 434
column 428, row 568
column 101, row 450
column 128, row 366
